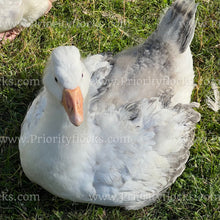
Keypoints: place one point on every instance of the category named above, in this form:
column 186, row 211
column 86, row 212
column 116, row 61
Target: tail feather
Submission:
column 178, row 24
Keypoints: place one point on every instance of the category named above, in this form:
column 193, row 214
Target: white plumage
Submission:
column 21, row 13
column 214, row 102
column 130, row 148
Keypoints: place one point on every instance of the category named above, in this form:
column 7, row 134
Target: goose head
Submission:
column 67, row 80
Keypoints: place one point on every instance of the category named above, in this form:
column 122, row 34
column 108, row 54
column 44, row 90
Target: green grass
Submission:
column 98, row 26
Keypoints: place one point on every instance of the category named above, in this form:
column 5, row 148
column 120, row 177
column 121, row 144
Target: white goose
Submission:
column 84, row 142
column 22, row 13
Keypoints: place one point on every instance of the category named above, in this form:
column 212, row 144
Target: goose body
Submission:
column 81, row 140
column 21, row 13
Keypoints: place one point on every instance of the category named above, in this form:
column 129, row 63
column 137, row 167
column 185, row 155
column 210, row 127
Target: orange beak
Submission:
column 73, row 104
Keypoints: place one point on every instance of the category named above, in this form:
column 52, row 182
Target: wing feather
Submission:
column 144, row 156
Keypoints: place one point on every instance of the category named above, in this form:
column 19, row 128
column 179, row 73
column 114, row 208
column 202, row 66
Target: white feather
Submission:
column 21, row 12
column 214, row 102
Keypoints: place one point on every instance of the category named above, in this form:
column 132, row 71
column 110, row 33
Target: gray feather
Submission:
column 178, row 24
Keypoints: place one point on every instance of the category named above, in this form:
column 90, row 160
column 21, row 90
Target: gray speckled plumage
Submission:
column 163, row 63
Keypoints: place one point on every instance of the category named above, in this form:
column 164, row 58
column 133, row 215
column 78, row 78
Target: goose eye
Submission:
column 82, row 75
column 56, row 79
